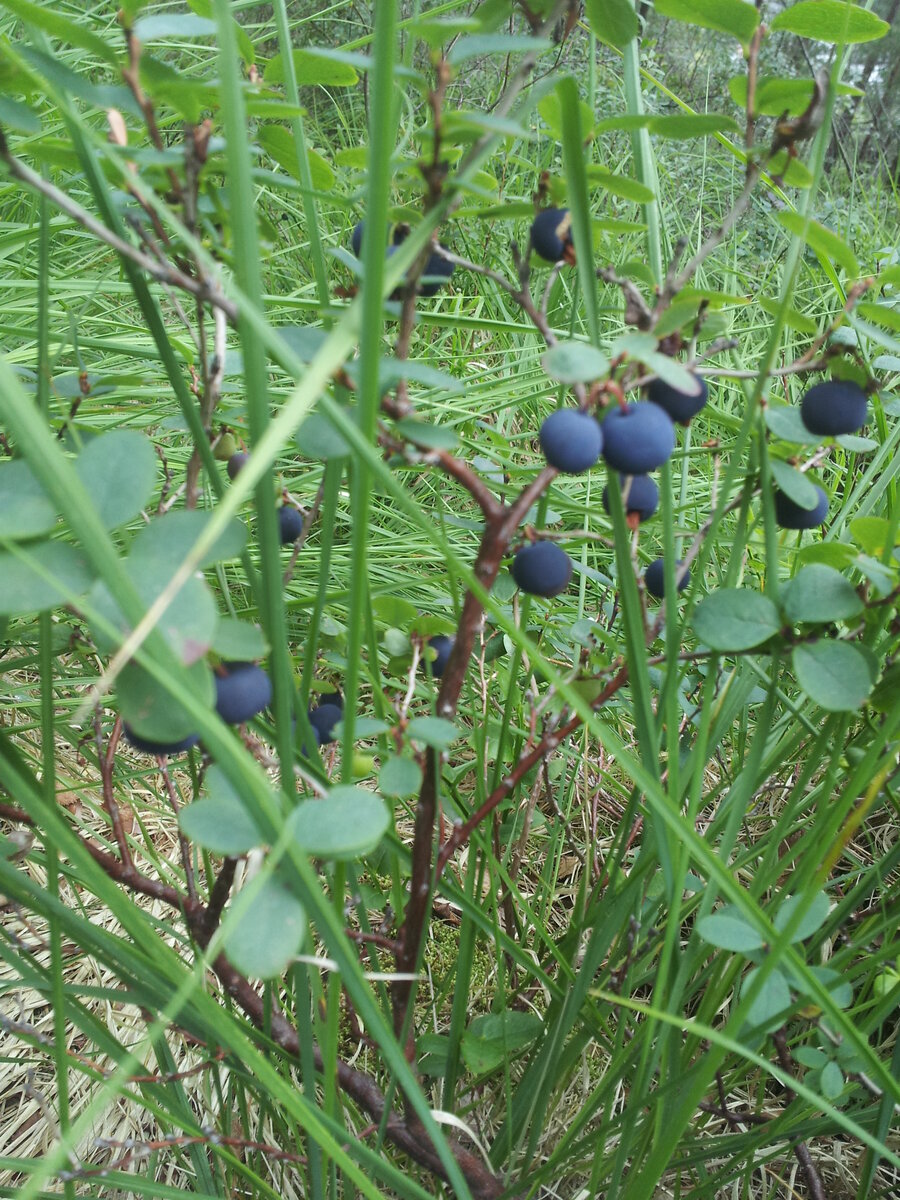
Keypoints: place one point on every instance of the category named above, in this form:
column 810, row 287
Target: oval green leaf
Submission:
column 830, row 21
column 400, row 777
column 819, row 593
column 27, row 509
column 118, row 471
column 264, row 933
column 42, row 576
column 347, row 823
column 733, row 17
column 219, row 822
column 836, row 675
column 728, row 929
column 575, row 362
column 169, row 538
column 735, row 619
column 794, row 484
column 151, row 710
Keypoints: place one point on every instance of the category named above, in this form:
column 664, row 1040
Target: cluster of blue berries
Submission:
column 639, row 437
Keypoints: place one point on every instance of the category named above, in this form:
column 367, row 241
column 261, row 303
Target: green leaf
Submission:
column 433, row 731
column 266, row 933
column 491, row 1039
column 188, row 623
column 813, row 919
column 728, row 929
column 347, row 823
column 400, row 777
column 168, row 538
column 313, row 67
column 735, row 619
column 836, row 675
column 18, row 116
column 575, row 362
column 41, row 576
column 238, row 641
column 624, row 186
column 612, row 21
column 278, row 142
column 872, row 533
column 689, row 125
column 149, row 708
column 434, row 437
column 786, row 423
column 831, row 21
column 833, row 554
column 394, row 610
column 673, row 373
column 819, row 593
column 810, row 1056
column 175, row 25
column 771, row 1001
column 733, row 17
column 777, row 94
column 478, row 45
column 832, row 1080
column 791, row 316
column 392, row 370
column 27, row 509
column 318, row 438
column 794, row 484
column 887, row 694
column 551, row 113
column 118, row 471
column 220, row 822
column 823, row 241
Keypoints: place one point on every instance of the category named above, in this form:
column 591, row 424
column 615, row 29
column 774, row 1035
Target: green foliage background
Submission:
column 667, row 957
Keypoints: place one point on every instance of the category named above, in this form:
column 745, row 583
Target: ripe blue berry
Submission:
column 680, row 406
column 571, row 440
column 323, row 720
column 640, row 495
column 236, row 463
column 356, row 237
column 437, row 271
column 290, row 524
column 833, row 408
column 551, row 234
column 791, row 516
column 242, row 691
column 638, row 438
column 334, row 698
column 441, row 644
column 655, row 578
column 542, row 569
column 159, row 748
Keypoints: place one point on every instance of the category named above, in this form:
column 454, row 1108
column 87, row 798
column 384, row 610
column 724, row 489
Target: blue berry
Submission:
column 655, row 578
column 680, row 406
column 441, row 644
column 242, row 691
column 158, row 748
column 640, row 495
column 551, row 234
column 638, row 438
column 437, row 271
column 236, row 464
column 833, row 408
column 323, row 720
column 334, row 698
column 791, row 516
column 290, row 524
column 571, row 440
column 542, row 569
